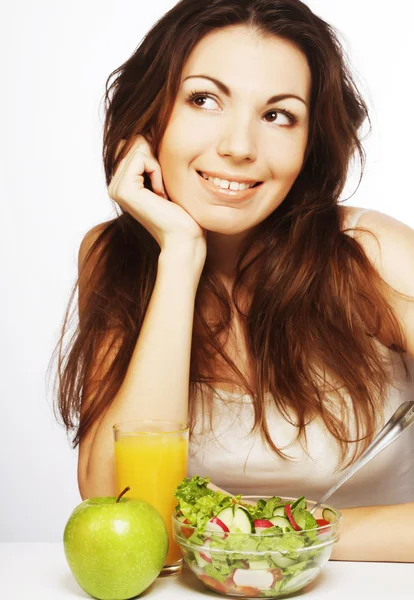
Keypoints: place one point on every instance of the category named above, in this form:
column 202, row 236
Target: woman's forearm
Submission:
column 376, row 533
column 156, row 384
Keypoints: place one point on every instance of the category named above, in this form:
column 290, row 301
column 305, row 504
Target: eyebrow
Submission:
column 227, row 92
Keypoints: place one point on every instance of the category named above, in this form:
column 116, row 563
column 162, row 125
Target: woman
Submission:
column 277, row 322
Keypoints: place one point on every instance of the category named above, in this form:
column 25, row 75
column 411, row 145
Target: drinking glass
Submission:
column 151, row 458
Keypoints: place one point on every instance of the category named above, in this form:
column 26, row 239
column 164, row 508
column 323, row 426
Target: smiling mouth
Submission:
column 253, row 186
column 227, row 195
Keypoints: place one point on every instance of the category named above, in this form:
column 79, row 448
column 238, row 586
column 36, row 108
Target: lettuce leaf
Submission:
column 270, row 506
column 198, row 503
column 218, row 574
column 190, row 490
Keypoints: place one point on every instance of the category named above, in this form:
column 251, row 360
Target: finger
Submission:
column 132, row 172
column 152, row 166
column 140, row 145
column 155, row 176
column 119, row 175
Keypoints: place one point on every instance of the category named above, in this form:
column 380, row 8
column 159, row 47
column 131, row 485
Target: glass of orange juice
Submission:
column 151, row 458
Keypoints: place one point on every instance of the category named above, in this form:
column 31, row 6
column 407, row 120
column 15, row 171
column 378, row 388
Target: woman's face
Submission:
column 237, row 136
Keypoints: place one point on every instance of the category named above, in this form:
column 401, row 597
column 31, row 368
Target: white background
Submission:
column 55, row 58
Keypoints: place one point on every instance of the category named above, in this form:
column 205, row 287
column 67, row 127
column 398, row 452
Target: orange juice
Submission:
column 152, row 465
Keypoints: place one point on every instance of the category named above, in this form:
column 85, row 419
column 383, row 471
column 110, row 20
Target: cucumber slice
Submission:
column 226, row 515
column 329, row 515
column 242, row 520
column 297, row 502
column 282, row 522
column 301, row 579
column 283, row 561
column 279, row 511
column 200, row 560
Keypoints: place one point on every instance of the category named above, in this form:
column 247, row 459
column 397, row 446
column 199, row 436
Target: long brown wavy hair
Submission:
column 317, row 309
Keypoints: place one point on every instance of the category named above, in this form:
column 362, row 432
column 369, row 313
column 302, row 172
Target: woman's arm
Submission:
column 393, row 257
column 376, row 533
column 156, row 382
column 384, row 533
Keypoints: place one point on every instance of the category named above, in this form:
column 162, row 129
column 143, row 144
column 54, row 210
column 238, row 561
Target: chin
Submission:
column 225, row 229
column 227, row 224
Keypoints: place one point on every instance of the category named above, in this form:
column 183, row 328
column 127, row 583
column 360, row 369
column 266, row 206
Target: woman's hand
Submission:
column 166, row 221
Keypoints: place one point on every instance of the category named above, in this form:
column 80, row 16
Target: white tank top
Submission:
column 240, row 462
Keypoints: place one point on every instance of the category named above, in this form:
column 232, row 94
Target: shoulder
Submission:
column 88, row 241
column 389, row 245
column 87, row 263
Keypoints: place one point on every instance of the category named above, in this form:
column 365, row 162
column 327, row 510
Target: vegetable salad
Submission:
column 267, row 549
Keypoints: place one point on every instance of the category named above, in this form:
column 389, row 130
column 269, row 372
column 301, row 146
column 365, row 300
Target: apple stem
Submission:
column 122, row 493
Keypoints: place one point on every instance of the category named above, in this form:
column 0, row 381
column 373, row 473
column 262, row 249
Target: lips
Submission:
column 226, row 194
column 223, row 178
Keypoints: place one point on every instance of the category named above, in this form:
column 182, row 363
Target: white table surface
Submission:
column 40, row 571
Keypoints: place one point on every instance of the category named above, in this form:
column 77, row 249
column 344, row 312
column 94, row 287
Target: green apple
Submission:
column 115, row 547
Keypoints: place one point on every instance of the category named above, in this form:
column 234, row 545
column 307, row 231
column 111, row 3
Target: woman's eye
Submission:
column 195, row 97
column 281, row 115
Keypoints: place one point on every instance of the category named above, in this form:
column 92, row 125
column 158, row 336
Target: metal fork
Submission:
column 399, row 422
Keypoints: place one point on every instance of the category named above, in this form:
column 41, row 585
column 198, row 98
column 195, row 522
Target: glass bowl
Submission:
column 259, row 565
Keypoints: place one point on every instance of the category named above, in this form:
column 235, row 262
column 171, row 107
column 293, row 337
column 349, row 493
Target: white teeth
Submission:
column 225, row 184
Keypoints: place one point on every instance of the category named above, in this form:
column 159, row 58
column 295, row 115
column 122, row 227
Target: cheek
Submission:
column 173, row 165
column 165, row 153
column 177, row 150
column 287, row 158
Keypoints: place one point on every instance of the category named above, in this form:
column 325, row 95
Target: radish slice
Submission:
column 291, row 519
column 205, row 554
column 326, row 532
column 264, row 523
column 215, row 524
column 322, row 522
column 260, row 579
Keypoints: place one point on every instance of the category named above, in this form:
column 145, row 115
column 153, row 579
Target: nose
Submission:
column 238, row 139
